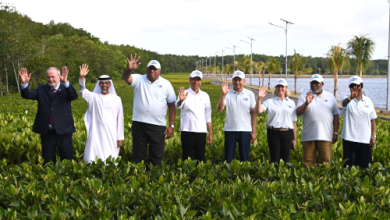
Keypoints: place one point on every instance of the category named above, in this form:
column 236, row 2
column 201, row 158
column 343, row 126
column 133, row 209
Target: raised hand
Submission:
column 133, row 62
column 309, row 98
column 83, row 71
column 182, row 93
column 262, row 92
column 24, row 76
column 355, row 93
column 64, row 75
column 225, row 88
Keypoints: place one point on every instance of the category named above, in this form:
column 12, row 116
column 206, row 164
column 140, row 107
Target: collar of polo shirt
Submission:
column 157, row 80
column 192, row 91
column 242, row 92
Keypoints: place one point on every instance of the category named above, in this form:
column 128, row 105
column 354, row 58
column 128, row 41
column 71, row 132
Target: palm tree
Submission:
column 273, row 66
column 361, row 48
column 297, row 66
column 258, row 66
column 337, row 60
column 245, row 65
column 228, row 69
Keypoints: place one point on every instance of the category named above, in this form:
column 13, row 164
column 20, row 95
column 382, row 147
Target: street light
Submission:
column 388, row 73
column 234, row 53
column 215, row 64
column 251, row 54
column 222, row 64
column 285, row 29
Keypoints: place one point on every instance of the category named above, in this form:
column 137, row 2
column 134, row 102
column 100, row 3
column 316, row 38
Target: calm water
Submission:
column 375, row 88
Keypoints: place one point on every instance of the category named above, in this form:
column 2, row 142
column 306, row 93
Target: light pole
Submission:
column 234, row 53
column 215, row 64
column 251, row 54
column 388, row 72
column 285, row 30
column 222, row 64
column 206, row 63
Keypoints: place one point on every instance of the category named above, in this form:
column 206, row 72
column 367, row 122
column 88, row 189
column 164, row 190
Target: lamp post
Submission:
column 234, row 61
column 215, row 65
column 285, row 30
column 206, row 63
column 251, row 54
column 234, row 54
column 388, row 73
column 222, row 63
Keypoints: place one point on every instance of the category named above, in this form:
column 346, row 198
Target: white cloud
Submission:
column 201, row 27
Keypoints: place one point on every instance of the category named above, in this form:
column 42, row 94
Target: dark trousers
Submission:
column 358, row 154
column 231, row 139
column 193, row 145
column 49, row 142
column 144, row 134
column 279, row 143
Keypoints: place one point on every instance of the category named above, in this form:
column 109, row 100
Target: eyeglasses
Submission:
column 353, row 85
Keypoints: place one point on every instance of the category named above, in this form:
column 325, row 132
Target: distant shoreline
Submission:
column 308, row 76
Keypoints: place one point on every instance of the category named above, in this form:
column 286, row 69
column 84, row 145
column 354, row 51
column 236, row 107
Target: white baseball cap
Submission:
column 282, row 82
column 355, row 80
column 154, row 63
column 316, row 77
column 196, row 73
column 238, row 73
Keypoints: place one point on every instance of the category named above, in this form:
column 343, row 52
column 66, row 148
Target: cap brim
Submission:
column 154, row 66
column 196, row 76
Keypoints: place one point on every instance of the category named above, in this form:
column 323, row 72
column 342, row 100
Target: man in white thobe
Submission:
column 103, row 120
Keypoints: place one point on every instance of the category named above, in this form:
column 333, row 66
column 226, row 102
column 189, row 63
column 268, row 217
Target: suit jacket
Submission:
column 59, row 106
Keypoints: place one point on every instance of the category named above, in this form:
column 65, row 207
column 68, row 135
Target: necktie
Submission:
column 51, row 116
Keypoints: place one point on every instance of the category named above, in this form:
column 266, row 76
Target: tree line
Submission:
column 37, row 46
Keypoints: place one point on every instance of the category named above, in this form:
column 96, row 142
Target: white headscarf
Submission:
column 103, row 78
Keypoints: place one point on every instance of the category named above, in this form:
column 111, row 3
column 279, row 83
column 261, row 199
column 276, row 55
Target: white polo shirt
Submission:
column 318, row 118
column 281, row 113
column 238, row 106
column 195, row 111
column 357, row 120
column 151, row 100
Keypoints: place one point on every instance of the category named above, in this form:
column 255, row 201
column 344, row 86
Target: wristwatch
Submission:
column 336, row 133
column 373, row 136
column 172, row 126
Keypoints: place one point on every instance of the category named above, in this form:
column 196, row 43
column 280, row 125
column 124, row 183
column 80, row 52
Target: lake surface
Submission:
column 374, row 88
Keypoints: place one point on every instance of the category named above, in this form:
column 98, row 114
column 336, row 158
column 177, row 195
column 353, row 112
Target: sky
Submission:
column 206, row 27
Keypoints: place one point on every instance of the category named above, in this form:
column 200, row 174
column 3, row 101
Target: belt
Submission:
column 279, row 129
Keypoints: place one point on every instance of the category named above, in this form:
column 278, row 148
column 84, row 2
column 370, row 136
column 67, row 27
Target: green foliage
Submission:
column 181, row 189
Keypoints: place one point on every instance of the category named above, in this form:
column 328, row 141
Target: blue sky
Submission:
column 202, row 27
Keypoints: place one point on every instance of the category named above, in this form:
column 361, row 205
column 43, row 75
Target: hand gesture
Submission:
column 355, row 93
column 225, row 88
column 83, row 71
column 309, row 98
column 133, row 62
column 262, row 92
column 24, row 76
column 64, row 76
column 182, row 93
column 119, row 143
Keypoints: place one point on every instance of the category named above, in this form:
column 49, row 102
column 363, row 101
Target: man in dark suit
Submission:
column 54, row 120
